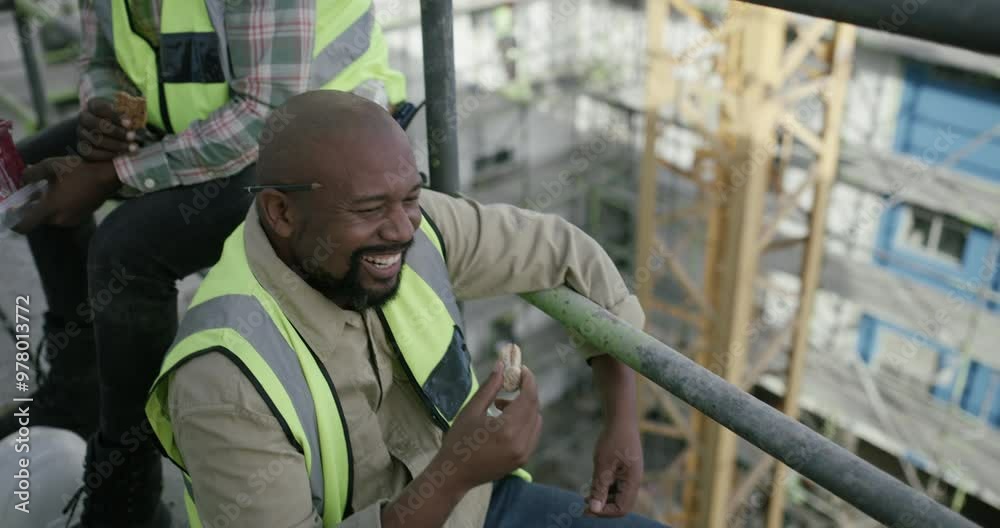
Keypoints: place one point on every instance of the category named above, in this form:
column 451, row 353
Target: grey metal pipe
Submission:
column 32, row 68
column 966, row 24
column 439, row 86
column 847, row 476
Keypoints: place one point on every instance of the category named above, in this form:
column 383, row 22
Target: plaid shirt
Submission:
column 270, row 50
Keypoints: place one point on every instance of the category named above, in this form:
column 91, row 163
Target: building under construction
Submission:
column 805, row 207
column 808, row 209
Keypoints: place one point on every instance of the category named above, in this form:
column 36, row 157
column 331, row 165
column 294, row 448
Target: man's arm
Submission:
column 499, row 249
column 100, row 75
column 270, row 48
column 242, row 465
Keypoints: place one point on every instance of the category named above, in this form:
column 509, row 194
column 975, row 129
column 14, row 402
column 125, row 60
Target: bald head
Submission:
column 314, row 128
column 347, row 239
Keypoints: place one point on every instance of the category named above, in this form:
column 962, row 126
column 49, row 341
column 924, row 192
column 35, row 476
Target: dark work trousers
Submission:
column 516, row 503
column 118, row 278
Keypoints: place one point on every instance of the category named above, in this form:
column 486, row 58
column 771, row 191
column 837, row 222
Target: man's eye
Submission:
column 369, row 210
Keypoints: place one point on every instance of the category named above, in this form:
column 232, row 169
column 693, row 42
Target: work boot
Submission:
column 121, row 487
column 65, row 394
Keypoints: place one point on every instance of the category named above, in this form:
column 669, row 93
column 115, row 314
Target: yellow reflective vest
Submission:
column 186, row 77
column 234, row 315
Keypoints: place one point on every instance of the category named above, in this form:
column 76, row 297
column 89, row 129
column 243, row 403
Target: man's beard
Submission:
column 349, row 288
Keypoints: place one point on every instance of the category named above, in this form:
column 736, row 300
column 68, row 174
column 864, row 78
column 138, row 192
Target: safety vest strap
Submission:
column 246, row 315
column 425, row 258
column 187, row 75
column 217, row 13
column 346, row 48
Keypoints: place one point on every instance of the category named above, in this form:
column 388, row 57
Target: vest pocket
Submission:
column 190, row 58
column 449, row 383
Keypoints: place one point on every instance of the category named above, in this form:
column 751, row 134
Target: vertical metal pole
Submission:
column 439, row 87
column 32, row 68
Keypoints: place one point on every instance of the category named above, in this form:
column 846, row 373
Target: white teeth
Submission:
column 384, row 262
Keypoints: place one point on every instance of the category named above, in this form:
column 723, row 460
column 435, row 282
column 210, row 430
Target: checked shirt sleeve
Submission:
column 270, row 49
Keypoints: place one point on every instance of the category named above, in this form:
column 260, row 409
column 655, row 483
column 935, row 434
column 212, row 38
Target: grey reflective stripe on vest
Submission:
column 187, row 484
column 217, row 13
column 425, row 259
column 245, row 314
column 344, row 50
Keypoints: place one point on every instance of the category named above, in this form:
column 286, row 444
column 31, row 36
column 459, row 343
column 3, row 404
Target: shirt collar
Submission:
column 303, row 305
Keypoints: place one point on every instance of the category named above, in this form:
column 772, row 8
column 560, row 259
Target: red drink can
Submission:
column 11, row 164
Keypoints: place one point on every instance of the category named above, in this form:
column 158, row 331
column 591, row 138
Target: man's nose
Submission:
column 398, row 227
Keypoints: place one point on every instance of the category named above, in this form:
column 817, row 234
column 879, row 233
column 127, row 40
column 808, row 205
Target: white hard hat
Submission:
column 39, row 473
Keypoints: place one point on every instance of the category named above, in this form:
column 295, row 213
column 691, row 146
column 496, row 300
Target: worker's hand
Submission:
column 75, row 190
column 484, row 448
column 617, row 469
column 103, row 133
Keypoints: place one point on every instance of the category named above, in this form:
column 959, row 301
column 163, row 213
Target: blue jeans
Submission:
column 519, row 504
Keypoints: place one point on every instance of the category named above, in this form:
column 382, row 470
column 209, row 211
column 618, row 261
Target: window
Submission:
column 981, row 397
column 904, row 360
column 936, row 235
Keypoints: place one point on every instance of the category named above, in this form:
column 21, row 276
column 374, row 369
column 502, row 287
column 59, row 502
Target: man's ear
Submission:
column 276, row 209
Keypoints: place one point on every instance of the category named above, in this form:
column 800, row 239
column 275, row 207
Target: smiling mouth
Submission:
column 383, row 261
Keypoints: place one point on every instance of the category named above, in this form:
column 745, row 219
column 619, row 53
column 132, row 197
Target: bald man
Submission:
column 321, row 378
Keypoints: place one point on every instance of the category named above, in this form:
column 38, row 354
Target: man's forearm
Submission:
column 428, row 500
column 616, row 382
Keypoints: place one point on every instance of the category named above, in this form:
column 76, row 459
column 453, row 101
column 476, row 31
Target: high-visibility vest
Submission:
column 234, row 315
column 186, row 77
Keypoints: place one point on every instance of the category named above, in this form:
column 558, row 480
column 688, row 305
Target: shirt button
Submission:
column 149, row 183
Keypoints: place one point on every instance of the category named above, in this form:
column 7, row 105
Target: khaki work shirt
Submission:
column 244, row 470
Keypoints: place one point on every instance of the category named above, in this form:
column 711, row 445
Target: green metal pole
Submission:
column 439, row 86
column 847, row 476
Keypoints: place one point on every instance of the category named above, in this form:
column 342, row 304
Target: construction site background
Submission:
column 555, row 99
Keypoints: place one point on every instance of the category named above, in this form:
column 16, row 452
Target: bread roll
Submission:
column 131, row 108
column 511, row 356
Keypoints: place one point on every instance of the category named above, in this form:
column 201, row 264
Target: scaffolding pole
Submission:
column 836, row 469
column 832, row 467
column 958, row 24
column 439, row 86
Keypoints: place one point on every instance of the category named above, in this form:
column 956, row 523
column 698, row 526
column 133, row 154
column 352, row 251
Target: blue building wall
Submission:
column 940, row 112
column 942, row 109
column 980, row 382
